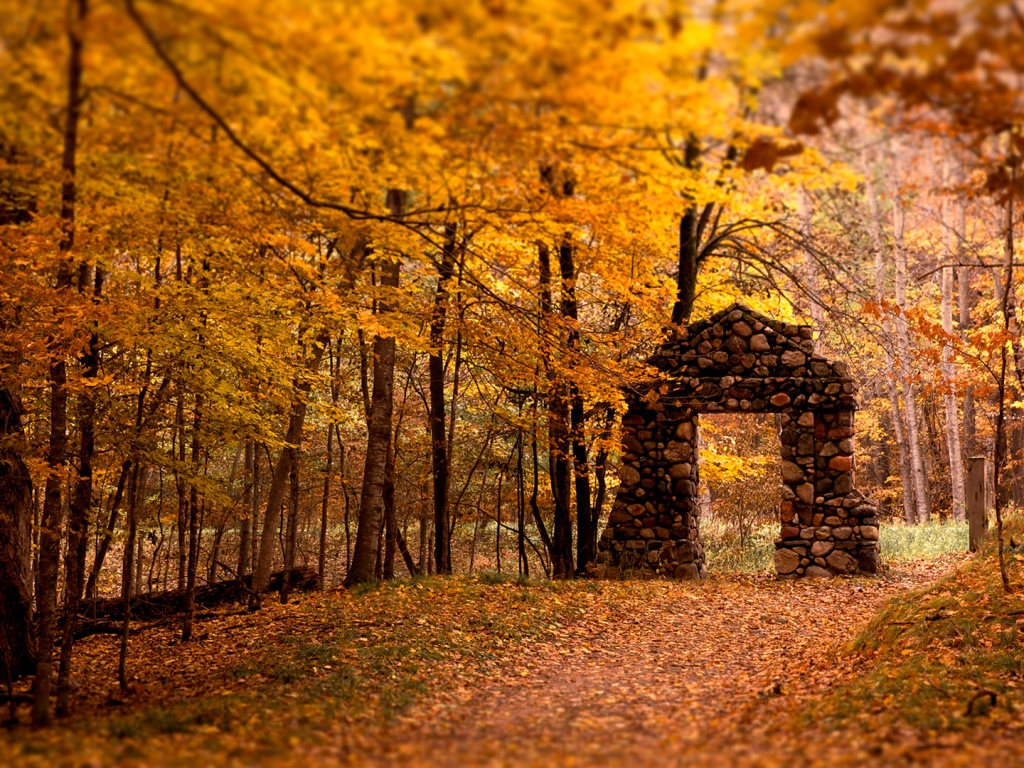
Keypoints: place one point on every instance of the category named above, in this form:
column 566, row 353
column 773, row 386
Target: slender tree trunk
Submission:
column 601, row 466
column 193, row 524
column 49, row 535
column 108, row 533
column 438, row 422
column 281, row 475
column 497, row 520
column 1009, row 328
column 292, row 524
column 390, row 520
column 953, row 446
column 81, row 502
column 348, row 511
column 689, row 249
column 182, row 487
column 246, row 517
column 966, row 304
column 322, row 553
column 524, row 563
column 892, row 378
column 534, row 506
column 956, row 462
column 586, row 533
column 127, row 572
column 17, row 642
column 917, row 466
column 558, row 432
column 371, row 505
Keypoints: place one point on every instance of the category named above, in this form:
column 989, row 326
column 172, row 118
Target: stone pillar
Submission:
column 653, row 526
column 828, row 527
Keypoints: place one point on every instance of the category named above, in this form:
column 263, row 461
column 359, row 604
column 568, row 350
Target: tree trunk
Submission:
column 586, row 532
column 81, row 502
column 956, row 462
column 246, row 516
column 689, row 249
column 953, row 446
column 292, row 525
column 378, row 441
column 390, row 520
column 17, row 655
column 322, row 553
column 108, row 533
column 524, row 563
column 193, row 525
column 891, row 378
column 438, row 422
column 917, row 466
column 535, row 488
column 182, row 488
column 966, row 304
column 558, row 432
column 49, row 534
column 282, row 472
column 127, row 572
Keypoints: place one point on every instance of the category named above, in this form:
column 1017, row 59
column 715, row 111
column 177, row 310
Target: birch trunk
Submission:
column 956, row 462
column 917, row 467
column 811, row 275
column 895, row 412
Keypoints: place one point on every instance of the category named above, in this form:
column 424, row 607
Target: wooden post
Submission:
column 976, row 493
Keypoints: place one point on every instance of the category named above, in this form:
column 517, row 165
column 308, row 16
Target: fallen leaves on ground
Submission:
column 474, row 672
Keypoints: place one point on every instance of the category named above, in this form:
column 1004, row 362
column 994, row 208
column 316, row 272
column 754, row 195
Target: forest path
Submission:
column 696, row 672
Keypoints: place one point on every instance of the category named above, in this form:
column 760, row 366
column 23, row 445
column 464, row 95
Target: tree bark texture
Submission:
column 282, row 472
column 17, row 652
column 586, row 531
column 438, row 422
column 50, row 522
column 891, row 377
column 378, row 440
column 917, row 466
column 558, row 432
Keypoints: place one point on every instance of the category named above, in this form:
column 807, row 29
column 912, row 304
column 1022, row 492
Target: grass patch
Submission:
column 904, row 542
column 726, row 552
column 219, row 714
column 936, row 656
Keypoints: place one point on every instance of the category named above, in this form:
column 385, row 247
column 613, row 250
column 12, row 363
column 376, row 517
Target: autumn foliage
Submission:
column 304, row 296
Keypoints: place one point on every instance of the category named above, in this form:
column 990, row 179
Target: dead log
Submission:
column 159, row 605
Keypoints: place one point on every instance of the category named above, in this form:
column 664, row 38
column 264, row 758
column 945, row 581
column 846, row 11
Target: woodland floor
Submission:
column 730, row 671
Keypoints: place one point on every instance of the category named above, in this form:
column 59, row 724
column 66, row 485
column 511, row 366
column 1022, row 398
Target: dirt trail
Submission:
column 700, row 673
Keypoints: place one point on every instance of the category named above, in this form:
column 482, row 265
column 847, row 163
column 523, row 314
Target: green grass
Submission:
column 897, row 541
column 724, row 553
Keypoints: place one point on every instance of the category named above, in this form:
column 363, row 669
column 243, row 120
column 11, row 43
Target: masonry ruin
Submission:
column 738, row 360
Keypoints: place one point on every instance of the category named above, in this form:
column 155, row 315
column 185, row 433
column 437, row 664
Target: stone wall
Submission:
column 739, row 360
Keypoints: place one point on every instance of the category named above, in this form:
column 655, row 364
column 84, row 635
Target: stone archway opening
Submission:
column 739, row 489
column 738, row 360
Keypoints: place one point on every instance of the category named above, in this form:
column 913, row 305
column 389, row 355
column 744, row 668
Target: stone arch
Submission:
column 738, row 360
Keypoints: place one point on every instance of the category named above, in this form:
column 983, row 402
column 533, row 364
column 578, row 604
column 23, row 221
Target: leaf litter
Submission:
column 468, row 672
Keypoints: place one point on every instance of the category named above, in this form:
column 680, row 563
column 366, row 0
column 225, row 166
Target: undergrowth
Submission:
column 944, row 656
column 726, row 552
column 903, row 542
